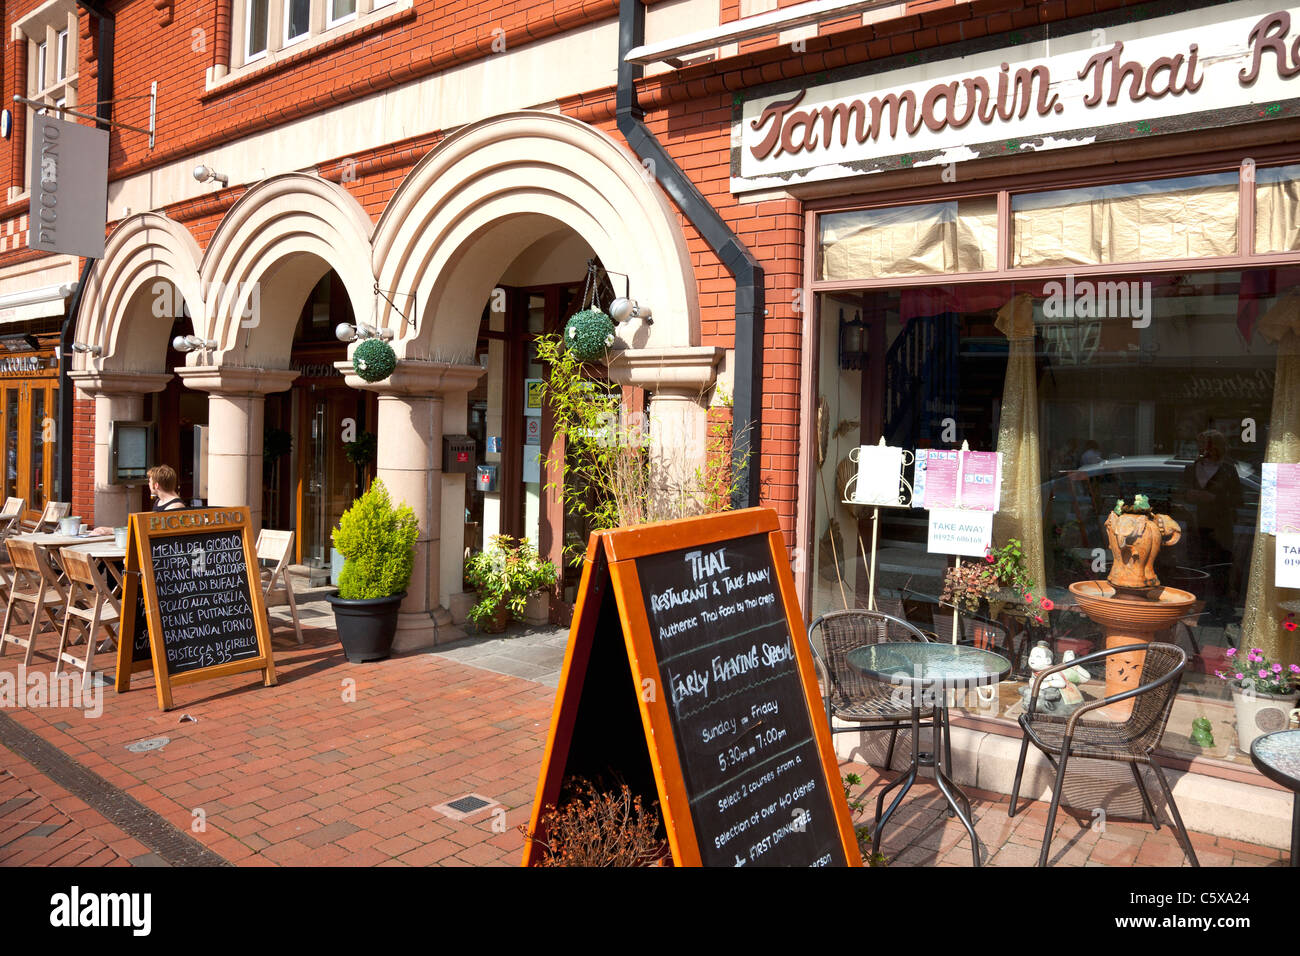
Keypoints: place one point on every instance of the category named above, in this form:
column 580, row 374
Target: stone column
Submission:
column 678, row 380
column 415, row 403
column 236, row 401
column 119, row 396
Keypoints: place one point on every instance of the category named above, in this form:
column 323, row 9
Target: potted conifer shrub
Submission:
column 377, row 541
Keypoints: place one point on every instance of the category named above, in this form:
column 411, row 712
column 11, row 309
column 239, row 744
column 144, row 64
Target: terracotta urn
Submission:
column 1136, row 536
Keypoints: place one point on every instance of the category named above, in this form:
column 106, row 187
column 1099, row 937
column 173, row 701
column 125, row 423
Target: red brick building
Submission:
column 852, row 221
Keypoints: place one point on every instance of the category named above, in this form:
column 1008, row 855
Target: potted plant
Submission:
column 1264, row 692
column 505, row 575
column 1001, row 577
column 377, row 541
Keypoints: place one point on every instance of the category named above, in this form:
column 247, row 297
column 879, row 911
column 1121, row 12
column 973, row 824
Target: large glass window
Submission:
column 929, row 239
column 1095, row 391
column 257, row 18
column 297, row 19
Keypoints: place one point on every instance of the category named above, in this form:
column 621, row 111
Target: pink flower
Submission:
column 1220, row 675
column 1240, row 676
column 1047, row 604
column 1029, row 599
column 989, row 558
column 1038, row 619
column 1230, row 652
column 1295, row 668
column 1289, row 625
column 1263, row 673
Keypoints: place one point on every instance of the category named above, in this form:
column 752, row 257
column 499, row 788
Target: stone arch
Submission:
column 150, row 268
column 273, row 245
column 489, row 192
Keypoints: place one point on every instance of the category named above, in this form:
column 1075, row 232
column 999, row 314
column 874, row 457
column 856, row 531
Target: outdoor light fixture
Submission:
column 351, row 333
column 207, row 174
column 189, row 343
column 86, row 349
column 622, row 309
column 853, row 339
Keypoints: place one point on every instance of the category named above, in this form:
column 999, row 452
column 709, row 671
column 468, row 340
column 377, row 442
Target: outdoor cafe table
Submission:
column 49, row 543
column 929, row 671
column 1277, row 756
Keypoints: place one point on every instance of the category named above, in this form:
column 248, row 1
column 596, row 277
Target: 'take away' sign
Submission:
column 1197, row 69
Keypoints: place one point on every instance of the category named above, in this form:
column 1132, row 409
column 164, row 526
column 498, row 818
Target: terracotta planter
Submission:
column 1259, row 714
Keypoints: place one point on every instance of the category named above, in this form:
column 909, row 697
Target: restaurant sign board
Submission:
column 68, row 172
column 1203, row 68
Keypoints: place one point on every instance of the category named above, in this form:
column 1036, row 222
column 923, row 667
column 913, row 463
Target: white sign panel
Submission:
column 68, row 172
column 967, row 533
column 1288, row 561
column 1216, row 66
column 879, row 469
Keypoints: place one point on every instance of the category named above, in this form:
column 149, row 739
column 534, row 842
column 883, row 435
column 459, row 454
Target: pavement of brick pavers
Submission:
column 343, row 764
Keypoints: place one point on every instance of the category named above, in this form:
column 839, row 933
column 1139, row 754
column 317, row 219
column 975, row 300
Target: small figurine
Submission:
column 1040, row 658
column 1202, row 735
column 1077, row 674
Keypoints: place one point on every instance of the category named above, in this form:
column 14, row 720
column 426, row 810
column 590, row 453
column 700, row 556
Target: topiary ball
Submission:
column 589, row 334
column 374, row 360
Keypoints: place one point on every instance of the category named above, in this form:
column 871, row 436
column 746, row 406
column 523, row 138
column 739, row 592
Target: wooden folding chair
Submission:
column 34, row 583
column 277, row 547
column 55, row 511
column 11, row 516
column 92, row 605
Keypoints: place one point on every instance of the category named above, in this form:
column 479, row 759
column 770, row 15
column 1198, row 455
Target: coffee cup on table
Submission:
column 119, row 537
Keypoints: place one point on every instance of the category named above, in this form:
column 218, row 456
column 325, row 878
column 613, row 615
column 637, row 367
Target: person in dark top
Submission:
column 162, row 485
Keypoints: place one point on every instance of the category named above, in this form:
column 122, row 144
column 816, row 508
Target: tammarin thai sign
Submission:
column 68, row 172
column 1208, row 67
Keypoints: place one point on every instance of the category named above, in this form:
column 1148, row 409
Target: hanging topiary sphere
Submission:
column 374, row 360
column 589, row 335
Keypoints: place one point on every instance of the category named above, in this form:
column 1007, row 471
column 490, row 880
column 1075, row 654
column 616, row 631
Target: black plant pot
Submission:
column 366, row 626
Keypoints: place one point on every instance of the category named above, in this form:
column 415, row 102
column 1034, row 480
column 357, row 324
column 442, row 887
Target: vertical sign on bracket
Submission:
column 68, row 172
column 689, row 677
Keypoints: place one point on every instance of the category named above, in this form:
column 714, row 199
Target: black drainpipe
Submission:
column 103, row 110
column 735, row 255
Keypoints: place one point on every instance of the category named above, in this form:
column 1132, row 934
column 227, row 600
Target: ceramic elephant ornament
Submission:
column 1136, row 535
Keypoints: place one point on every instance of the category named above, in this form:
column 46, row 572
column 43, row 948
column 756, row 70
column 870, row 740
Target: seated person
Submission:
column 162, row 487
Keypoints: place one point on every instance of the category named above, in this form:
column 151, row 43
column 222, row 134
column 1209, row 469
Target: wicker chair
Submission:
column 1132, row 741
column 863, row 703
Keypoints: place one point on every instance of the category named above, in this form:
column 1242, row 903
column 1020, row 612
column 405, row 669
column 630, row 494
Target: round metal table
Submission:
column 923, row 674
column 1277, row 756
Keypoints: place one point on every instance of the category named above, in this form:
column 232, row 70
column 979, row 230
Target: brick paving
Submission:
column 343, row 764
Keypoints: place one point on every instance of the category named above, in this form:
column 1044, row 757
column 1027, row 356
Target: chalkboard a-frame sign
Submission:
column 196, row 573
column 688, row 677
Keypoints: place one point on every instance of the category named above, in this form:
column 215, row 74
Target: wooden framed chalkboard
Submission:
column 688, row 676
column 193, row 576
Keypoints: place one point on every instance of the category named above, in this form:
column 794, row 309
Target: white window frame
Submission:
column 245, row 55
column 42, row 65
column 61, row 56
column 321, row 29
column 286, row 9
column 330, row 22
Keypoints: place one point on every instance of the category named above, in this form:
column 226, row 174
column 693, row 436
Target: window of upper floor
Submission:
column 266, row 30
column 50, row 32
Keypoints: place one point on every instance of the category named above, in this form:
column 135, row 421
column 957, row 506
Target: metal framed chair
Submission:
column 1132, row 740
column 276, row 547
column 34, row 583
column 92, row 603
column 863, row 703
column 54, row 512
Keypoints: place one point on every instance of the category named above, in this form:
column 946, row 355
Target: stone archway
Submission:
column 464, row 213
column 149, row 273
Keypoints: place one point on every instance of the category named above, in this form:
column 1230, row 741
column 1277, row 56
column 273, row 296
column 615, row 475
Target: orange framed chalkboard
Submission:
column 197, row 573
column 688, row 676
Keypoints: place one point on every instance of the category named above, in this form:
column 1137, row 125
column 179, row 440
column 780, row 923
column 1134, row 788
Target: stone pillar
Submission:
column 236, row 400
column 679, row 380
column 415, row 403
column 119, row 396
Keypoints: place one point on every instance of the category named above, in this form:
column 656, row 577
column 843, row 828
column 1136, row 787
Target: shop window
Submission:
column 1277, row 209
column 930, row 239
column 298, row 24
column 1191, row 217
column 61, row 71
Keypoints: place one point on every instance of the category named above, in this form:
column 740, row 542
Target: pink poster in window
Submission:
column 980, row 480
column 935, row 484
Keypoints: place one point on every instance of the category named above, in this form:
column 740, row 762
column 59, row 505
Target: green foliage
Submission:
column 589, row 334
column 504, row 575
column 374, row 360
column 602, row 468
column 362, row 451
column 858, row 805
column 377, row 541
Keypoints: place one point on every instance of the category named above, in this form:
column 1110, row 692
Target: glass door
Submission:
column 30, row 430
column 329, row 480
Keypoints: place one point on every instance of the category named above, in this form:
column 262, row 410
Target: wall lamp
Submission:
column 87, row 349
column 351, row 333
column 205, row 174
column 623, row 309
column 191, row 343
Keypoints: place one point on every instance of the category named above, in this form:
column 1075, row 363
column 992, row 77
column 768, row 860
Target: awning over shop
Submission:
column 39, row 303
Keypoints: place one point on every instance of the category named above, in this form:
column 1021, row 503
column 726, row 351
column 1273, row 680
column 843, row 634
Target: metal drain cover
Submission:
column 153, row 743
column 468, row 804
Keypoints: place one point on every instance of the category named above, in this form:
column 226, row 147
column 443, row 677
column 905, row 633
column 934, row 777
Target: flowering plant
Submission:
column 1258, row 672
column 505, row 574
column 965, row 585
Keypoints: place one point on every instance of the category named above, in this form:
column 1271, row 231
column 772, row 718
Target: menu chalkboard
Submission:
column 703, row 614
column 196, row 573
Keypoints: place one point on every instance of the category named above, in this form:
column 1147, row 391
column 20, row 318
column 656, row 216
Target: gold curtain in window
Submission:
column 1180, row 224
column 910, row 240
column 1277, row 216
column 1262, row 624
column 1021, row 512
